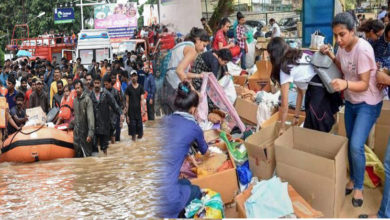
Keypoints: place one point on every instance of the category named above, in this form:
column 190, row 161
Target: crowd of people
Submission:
column 93, row 101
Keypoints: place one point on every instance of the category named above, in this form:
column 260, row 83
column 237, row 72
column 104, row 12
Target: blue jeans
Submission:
column 243, row 59
column 384, row 211
column 359, row 119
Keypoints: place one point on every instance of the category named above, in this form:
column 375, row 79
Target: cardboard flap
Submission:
column 288, row 152
column 384, row 117
column 264, row 68
column 259, row 143
column 318, row 143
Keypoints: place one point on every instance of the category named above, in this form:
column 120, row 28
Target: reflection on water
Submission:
column 121, row 185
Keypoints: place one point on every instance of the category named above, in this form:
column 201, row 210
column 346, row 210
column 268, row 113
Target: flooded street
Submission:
column 121, row 185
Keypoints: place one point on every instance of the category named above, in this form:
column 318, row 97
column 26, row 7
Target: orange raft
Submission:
column 37, row 143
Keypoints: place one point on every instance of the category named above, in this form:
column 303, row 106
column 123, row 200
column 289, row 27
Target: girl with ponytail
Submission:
column 180, row 132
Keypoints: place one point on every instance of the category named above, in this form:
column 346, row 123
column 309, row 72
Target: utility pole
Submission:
column 82, row 15
column 207, row 12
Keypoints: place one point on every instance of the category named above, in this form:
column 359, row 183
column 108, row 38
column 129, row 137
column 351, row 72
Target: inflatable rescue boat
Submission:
column 37, row 143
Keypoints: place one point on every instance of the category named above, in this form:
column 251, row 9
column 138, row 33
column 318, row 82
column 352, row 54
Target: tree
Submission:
column 223, row 9
column 19, row 11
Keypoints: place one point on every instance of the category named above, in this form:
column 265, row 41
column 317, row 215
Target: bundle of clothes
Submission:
column 197, row 165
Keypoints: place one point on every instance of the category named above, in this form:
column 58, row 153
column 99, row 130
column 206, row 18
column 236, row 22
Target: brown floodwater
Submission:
column 121, row 185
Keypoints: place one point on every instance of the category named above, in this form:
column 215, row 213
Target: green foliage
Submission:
column 350, row 4
column 1, row 57
column 223, row 9
column 22, row 11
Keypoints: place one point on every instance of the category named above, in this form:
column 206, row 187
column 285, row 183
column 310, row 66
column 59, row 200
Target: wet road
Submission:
column 121, row 185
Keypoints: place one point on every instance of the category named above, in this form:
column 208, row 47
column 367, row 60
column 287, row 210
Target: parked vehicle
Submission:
column 93, row 44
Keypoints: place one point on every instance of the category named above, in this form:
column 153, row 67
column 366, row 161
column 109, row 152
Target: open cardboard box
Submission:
column 260, row 80
column 224, row 182
column 261, row 153
column 290, row 117
column 247, row 110
column 240, row 80
column 315, row 163
column 382, row 131
column 302, row 209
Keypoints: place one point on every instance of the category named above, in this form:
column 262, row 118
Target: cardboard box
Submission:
column 261, row 153
column 341, row 129
column 246, row 110
column 224, row 182
column 239, row 90
column 240, row 80
column 290, row 117
column 315, row 163
column 36, row 116
column 260, row 80
column 382, row 131
column 302, row 209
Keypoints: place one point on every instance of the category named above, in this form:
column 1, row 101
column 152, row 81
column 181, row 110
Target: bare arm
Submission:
column 189, row 57
column 299, row 101
column 127, row 104
column 354, row 86
column 283, row 110
column 220, row 46
column 383, row 78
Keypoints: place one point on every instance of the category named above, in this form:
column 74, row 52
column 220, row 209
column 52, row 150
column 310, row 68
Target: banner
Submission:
column 116, row 15
column 150, row 15
column 120, row 19
column 63, row 15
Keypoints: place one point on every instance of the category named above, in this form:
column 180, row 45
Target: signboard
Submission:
column 63, row 15
column 120, row 19
column 116, row 15
column 150, row 15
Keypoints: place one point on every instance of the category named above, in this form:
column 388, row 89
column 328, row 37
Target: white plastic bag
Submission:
column 316, row 41
column 250, row 56
column 228, row 86
column 233, row 69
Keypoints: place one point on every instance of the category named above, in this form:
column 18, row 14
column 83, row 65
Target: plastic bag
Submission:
column 233, row 69
column 228, row 86
column 236, row 149
column 317, row 40
column 250, row 55
column 209, row 206
column 244, row 173
column 374, row 169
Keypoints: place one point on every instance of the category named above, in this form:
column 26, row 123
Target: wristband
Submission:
column 347, row 85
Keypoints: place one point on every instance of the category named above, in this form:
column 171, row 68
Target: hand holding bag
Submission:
column 326, row 69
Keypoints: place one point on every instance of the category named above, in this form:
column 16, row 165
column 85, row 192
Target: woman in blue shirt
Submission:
column 379, row 38
column 180, row 132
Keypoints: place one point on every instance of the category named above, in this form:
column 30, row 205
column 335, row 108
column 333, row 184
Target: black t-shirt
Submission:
column 20, row 114
column 135, row 101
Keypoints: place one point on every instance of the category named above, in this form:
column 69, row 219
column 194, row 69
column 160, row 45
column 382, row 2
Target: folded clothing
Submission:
column 269, row 199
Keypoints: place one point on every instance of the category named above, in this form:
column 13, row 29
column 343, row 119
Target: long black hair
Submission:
column 346, row 19
column 199, row 33
column 186, row 98
column 282, row 57
column 371, row 25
